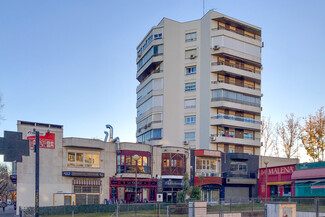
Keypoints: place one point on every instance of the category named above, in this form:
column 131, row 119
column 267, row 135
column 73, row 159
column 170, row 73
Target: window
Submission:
column 190, row 103
column 190, row 120
column 190, row 53
column 191, row 70
column 154, row 134
column 155, row 50
column 190, row 36
column 248, row 135
column 238, row 167
column 83, row 159
column 158, row 36
column 190, row 86
column 235, row 97
column 173, row 164
column 189, row 136
column 126, row 164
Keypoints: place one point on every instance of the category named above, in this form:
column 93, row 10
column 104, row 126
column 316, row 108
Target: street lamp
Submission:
column 266, row 162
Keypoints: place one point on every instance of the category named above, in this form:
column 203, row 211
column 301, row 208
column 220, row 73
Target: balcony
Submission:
column 236, row 70
column 229, row 139
column 235, row 54
column 149, row 66
column 232, row 87
column 256, row 40
column 235, row 105
column 154, row 75
column 234, row 121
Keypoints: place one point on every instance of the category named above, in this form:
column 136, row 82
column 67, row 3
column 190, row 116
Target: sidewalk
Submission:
column 10, row 212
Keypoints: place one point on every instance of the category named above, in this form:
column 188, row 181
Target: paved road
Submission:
column 10, row 212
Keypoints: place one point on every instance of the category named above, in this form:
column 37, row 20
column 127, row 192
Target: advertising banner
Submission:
column 46, row 140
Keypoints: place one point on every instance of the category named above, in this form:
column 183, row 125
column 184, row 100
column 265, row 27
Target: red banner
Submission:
column 46, row 140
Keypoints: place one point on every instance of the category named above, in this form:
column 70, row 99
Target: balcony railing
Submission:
column 235, row 101
column 252, row 88
column 177, row 171
column 239, row 175
column 236, row 118
column 233, row 136
column 237, row 32
column 237, row 67
column 207, row 173
column 153, row 72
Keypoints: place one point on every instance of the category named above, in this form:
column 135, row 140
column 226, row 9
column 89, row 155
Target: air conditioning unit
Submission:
column 139, row 130
column 185, row 142
column 192, row 56
column 145, row 126
column 139, row 54
column 149, row 124
column 212, row 138
column 216, row 47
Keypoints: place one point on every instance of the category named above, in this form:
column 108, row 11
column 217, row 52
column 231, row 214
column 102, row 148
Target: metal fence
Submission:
column 304, row 206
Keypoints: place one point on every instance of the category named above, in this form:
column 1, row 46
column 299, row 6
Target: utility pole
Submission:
column 36, row 146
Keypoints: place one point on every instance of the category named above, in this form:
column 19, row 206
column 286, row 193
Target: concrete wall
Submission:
column 276, row 161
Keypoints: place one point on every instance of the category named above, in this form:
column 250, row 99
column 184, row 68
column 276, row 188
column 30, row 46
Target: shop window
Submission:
column 83, row 159
column 126, row 164
column 173, row 164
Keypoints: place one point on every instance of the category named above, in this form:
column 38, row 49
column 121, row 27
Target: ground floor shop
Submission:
column 210, row 188
column 171, row 187
column 123, row 190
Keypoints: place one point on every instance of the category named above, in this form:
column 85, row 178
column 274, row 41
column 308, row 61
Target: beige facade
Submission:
column 200, row 84
column 80, row 171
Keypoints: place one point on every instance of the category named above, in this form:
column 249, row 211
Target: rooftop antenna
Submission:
column 203, row 6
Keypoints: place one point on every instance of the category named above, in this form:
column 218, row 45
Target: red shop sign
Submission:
column 46, row 140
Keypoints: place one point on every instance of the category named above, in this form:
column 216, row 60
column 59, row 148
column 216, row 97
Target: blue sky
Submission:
column 73, row 62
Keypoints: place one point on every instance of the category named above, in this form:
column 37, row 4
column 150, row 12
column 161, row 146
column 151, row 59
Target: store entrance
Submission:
column 130, row 197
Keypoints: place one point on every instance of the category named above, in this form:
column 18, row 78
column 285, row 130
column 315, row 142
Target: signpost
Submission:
column 37, row 174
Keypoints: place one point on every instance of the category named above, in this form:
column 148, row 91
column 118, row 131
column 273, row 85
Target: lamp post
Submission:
column 136, row 158
column 266, row 162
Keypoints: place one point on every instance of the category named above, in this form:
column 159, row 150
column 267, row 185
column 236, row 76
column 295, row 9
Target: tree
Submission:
column 5, row 183
column 188, row 192
column 289, row 134
column 313, row 135
column 267, row 137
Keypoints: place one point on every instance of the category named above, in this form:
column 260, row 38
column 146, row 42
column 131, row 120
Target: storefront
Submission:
column 206, row 173
column 123, row 189
column 279, row 181
column 310, row 179
column 170, row 189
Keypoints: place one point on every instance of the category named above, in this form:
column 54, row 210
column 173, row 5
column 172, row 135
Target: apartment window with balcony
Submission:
column 191, row 86
column 189, row 136
column 154, row 134
column 83, row 159
column 226, row 95
column 191, row 70
column 126, row 164
column 190, row 36
column 207, row 166
column 190, row 119
column 190, row 103
column 173, row 164
column 155, row 50
column 248, row 135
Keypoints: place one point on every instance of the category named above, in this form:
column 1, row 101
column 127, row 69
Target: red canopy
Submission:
column 309, row 174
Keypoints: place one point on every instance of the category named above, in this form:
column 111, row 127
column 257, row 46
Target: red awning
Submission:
column 309, row 174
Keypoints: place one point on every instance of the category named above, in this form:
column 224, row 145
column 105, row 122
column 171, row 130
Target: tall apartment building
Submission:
column 200, row 84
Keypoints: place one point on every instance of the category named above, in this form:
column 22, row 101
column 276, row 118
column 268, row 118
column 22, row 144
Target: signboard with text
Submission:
column 46, row 140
